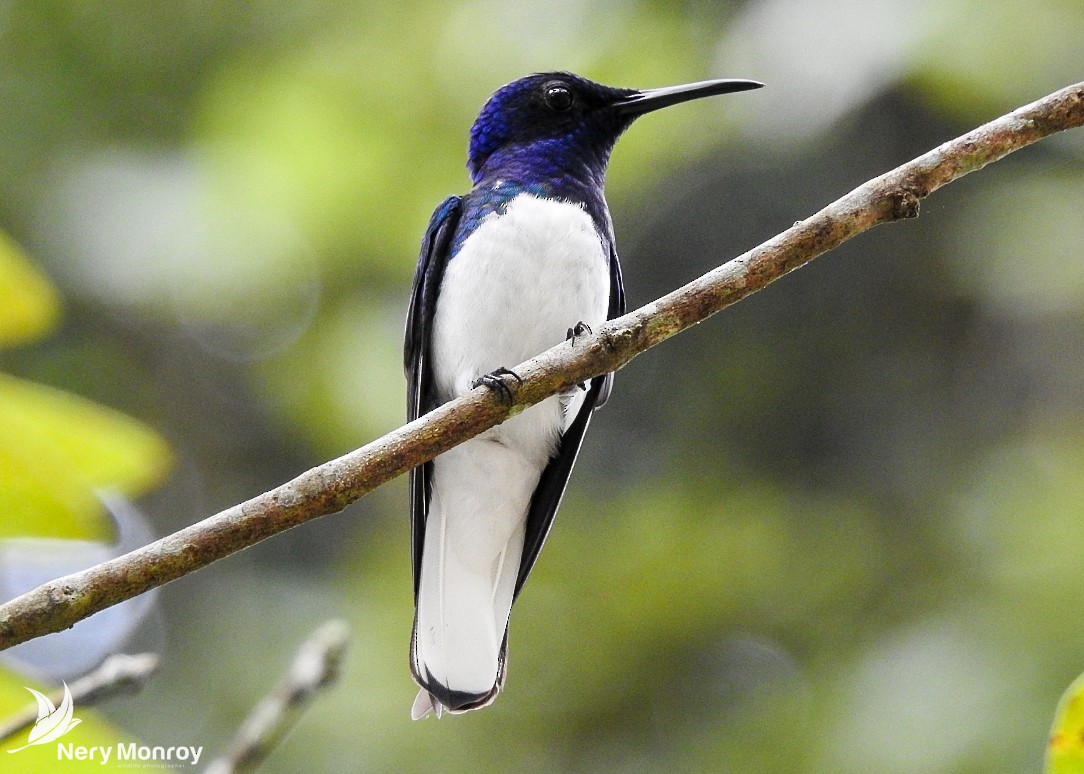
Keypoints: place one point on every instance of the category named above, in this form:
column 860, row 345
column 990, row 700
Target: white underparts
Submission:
column 517, row 284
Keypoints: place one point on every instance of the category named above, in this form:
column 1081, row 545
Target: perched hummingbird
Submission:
column 523, row 261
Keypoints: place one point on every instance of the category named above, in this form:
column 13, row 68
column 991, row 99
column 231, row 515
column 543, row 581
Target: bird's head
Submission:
column 557, row 119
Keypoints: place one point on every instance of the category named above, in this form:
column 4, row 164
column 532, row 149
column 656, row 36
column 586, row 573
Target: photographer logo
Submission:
column 55, row 722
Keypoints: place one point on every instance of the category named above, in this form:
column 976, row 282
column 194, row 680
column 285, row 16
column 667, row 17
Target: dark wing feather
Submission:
column 551, row 485
column 617, row 308
column 419, row 325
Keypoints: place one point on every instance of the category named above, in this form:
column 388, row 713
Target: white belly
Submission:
column 514, row 289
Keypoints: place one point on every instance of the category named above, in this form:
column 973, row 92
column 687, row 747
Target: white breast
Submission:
column 519, row 282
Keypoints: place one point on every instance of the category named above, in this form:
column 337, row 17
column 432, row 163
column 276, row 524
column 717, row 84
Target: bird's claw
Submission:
column 493, row 381
column 579, row 329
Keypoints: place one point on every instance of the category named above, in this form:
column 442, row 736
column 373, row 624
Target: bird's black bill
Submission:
column 640, row 102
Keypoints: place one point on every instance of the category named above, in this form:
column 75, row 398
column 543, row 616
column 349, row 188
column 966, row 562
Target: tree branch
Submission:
column 332, row 486
column 314, row 668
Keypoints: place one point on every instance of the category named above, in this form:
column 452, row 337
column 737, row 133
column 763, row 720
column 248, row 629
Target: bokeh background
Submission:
column 837, row 528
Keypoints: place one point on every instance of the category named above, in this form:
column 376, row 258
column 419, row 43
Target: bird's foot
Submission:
column 493, row 381
column 579, row 329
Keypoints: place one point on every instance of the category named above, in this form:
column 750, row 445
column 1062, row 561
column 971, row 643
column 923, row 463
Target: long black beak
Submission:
column 640, row 102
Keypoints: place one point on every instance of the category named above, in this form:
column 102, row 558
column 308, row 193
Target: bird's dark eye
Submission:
column 558, row 95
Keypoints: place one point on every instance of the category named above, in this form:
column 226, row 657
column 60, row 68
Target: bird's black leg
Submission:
column 579, row 329
column 493, row 381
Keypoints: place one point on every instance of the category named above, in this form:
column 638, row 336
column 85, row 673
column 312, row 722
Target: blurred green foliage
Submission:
column 834, row 529
column 55, row 448
column 28, row 303
column 1065, row 752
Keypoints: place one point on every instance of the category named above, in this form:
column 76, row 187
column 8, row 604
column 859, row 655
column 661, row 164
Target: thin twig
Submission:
column 315, row 667
column 332, row 486
column 118, row 674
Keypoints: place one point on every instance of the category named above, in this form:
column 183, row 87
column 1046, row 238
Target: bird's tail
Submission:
column 470, row 561
column 434, row 697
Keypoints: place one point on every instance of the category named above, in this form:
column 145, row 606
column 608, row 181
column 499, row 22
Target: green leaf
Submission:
column 28, row 303
column 1065, row 750
column 56, row 449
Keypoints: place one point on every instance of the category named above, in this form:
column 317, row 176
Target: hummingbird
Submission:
column 522, row 262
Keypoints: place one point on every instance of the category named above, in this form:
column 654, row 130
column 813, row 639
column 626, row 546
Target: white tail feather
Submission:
column 470, row 560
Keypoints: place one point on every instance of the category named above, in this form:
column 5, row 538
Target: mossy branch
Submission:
column 328, row 488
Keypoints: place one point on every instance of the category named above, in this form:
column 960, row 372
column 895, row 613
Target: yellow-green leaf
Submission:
column 56, row 449
column 1065, row 751
column 28, row 303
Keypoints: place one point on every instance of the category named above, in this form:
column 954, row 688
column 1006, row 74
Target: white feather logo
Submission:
column 53, row 722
